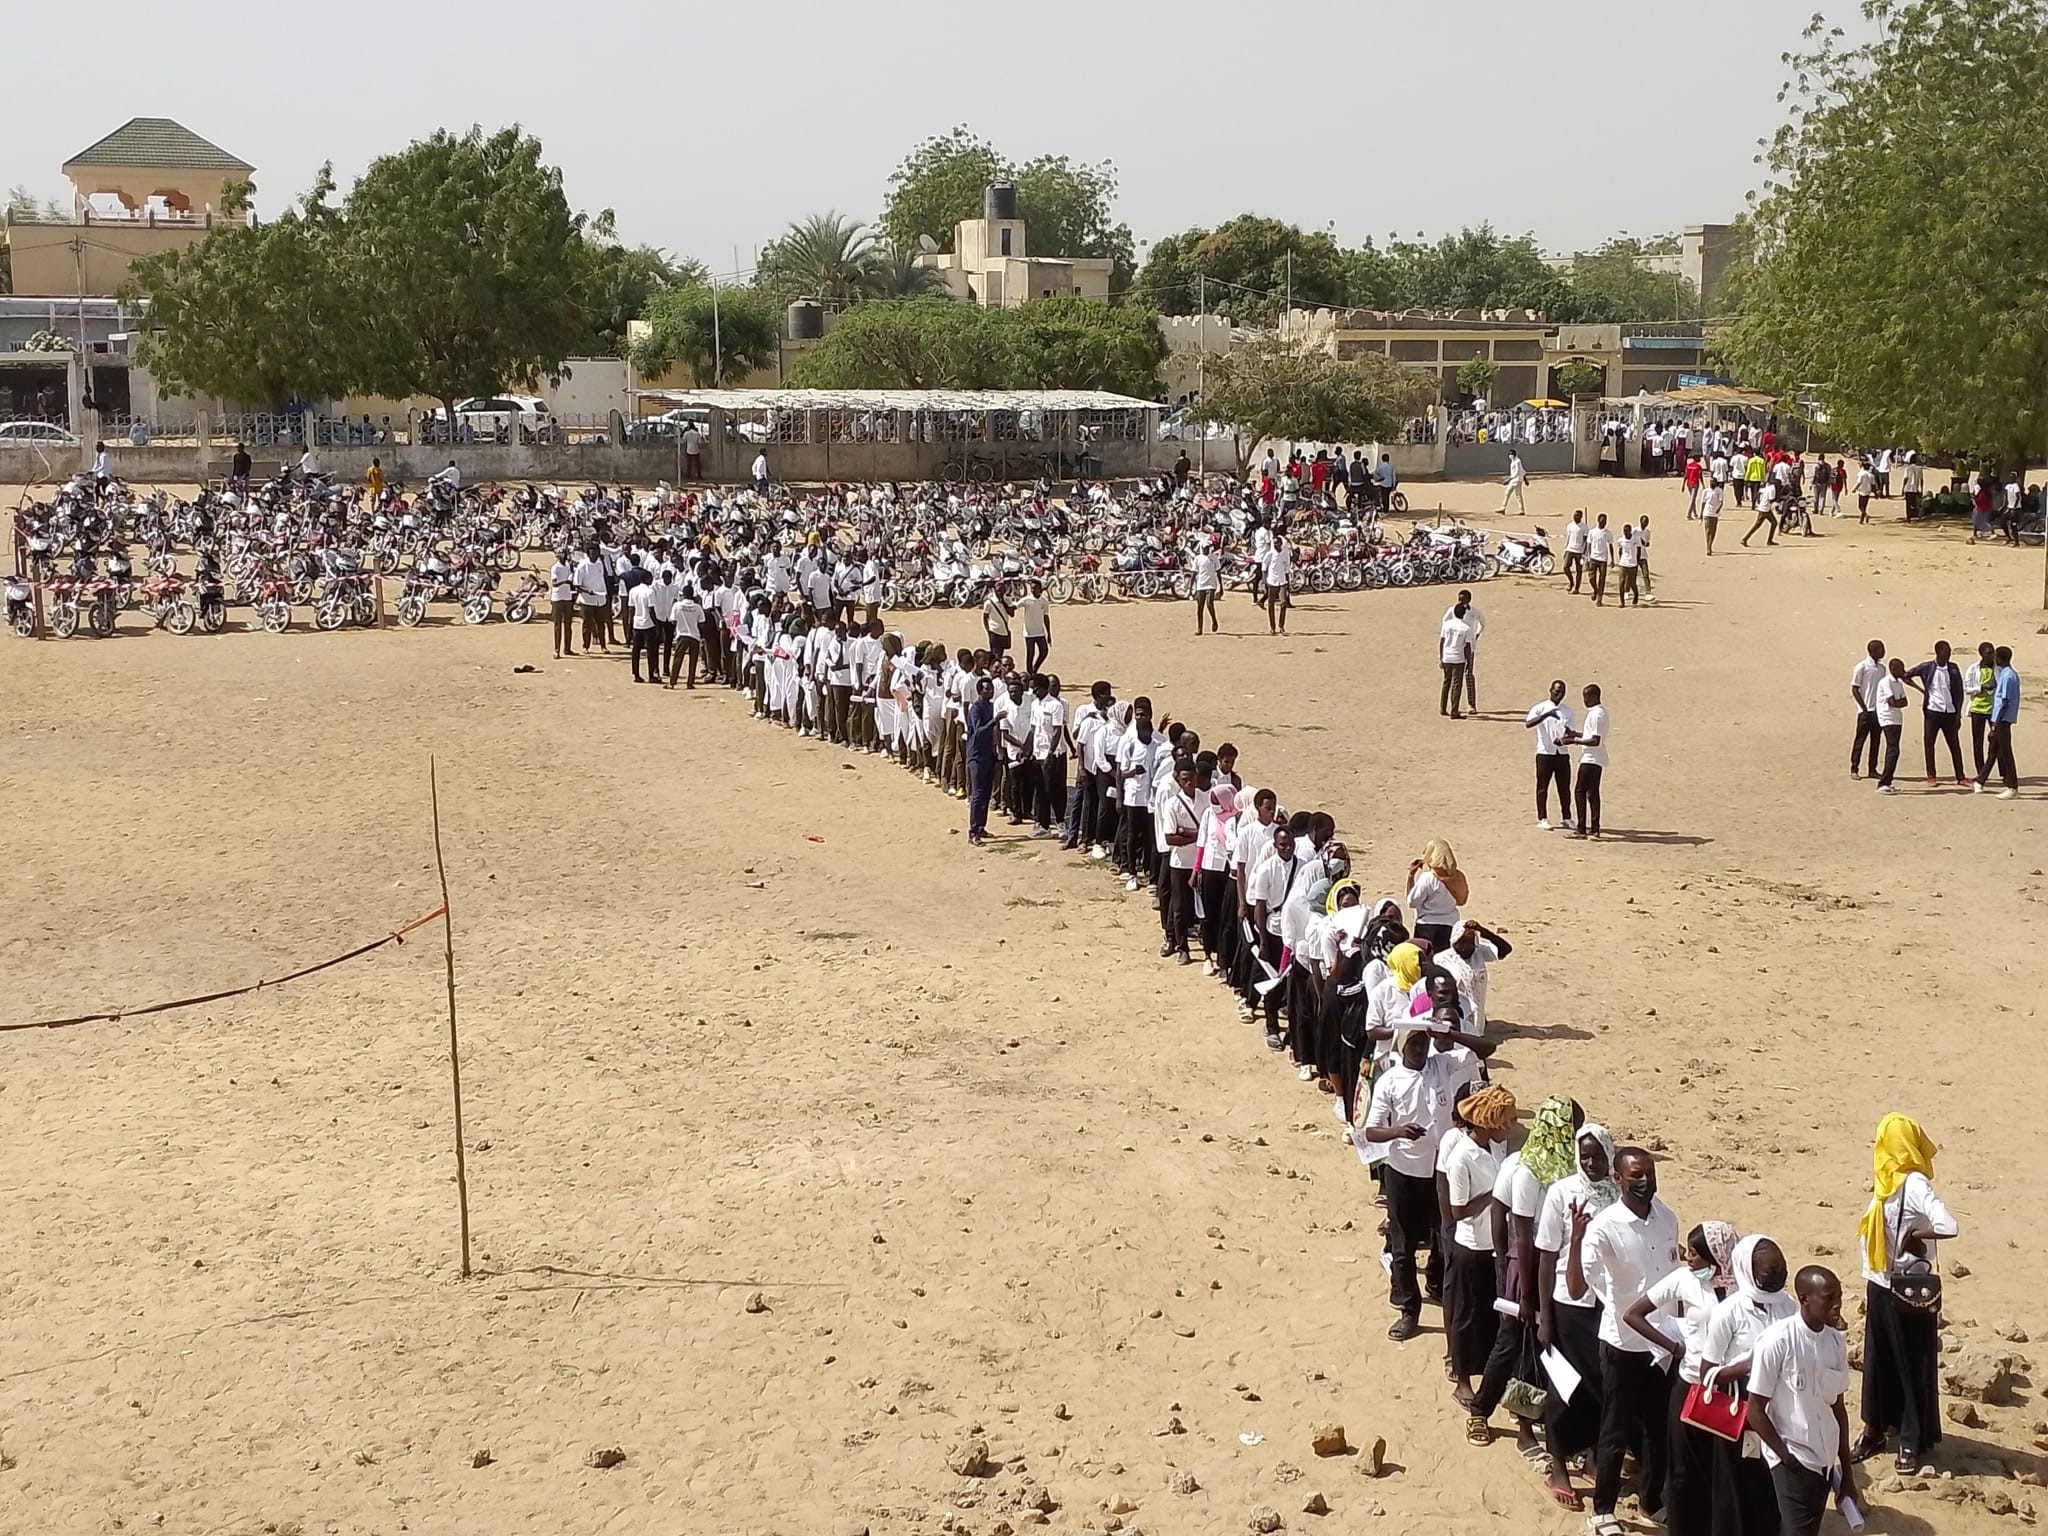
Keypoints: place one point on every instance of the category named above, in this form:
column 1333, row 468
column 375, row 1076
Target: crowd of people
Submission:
column 1987, row 691
column 1571, row 1296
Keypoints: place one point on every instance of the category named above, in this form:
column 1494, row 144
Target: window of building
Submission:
column 1006, row 242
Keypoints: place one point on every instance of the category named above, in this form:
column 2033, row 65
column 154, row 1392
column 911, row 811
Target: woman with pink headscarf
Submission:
column 1673, row 1315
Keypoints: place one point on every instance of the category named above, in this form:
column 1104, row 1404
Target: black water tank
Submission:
column 806, row 320
column 1000, row 201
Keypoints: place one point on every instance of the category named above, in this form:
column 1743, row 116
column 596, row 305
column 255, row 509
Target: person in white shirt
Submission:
column 1672, row 1316
column 1091, row 813
column 1470, row 959
column 309, row 464
column 448, row 475
column 1864, row 680
column 1179, row 821
column 1048, row 752
column 686, row 619
column 761, row 473
column 1599, row 554
column 1710, row 512
column 1798, row 1373
column 1766, row 511
column 1629, row 556
column 593, row 596
column 1890, row 700
column 1470, row 1164
column 1591, row 740
column 1454, row 646
column 1516, row 476
column 640, row 604
column 1034, row 617
column 1476, row 622
column 1137, row 760
column 693, row 452
column 1742, row 1498
column 562, row 602
column 666, row 590
column 1208, row 583
column 1616, row 1256
column 1267, row 889
column 1571, row 1323
column 1905, row 1222
column 1550, row 720
column 1575, row 539
column 1277, row 568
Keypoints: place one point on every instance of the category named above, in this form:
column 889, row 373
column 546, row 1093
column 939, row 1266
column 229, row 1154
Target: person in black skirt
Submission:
column 1901, row 1342
column 1741, row 1500
column 1469, row 1163
column 1572, row 1327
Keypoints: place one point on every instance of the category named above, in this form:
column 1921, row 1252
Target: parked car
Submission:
column 493, row 416
column 1181, row 427
column 35, row 434
column 669, row 425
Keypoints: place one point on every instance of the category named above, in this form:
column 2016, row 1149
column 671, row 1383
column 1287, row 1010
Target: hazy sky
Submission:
column 711, row 126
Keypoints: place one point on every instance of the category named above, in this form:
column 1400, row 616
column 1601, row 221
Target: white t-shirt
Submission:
column 1279, row 564
column 590, row 588
column 1922, row 1207
column 1548, row 730
column 1048, row 727
column 1144, row 756
column 1687, row 1303
column 1430, row 900
column 1575, row 538
column 1032, row 612
column 1889, row 700
column 641, row 601
column 688, row 615
column 1802, row 1373
column 1599, row 544
column 1208, row 573
column 1454, row 637
column 1863, row 680
column 1177, row 814
column 1470, row 1168
column 1631, row 553
column 561, row 582
column 994, row 617
column 1596, row 725
column 1554, row 1235
column 1519, row 1192
column 1402, row 1095
column 1270, row 882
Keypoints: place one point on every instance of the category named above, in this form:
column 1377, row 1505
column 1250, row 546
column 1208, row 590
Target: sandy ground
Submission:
column 743, row 1014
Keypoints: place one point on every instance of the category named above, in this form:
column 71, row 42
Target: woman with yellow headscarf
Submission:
column 1901, row 1343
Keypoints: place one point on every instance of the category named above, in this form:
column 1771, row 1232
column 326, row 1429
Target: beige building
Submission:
column 991, row 262
column 160, row 188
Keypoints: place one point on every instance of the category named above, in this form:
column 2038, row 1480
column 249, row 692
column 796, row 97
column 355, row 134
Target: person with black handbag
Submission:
column 1902, row 1340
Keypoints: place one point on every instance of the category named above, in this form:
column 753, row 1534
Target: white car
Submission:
column 670, row 424
column 491, row 416
column 35, row 434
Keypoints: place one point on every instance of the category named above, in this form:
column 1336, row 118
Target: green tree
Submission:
column 253, row 315
column 1479, row 269
column 1610, row 286
column 1243, row 269
column 1075, row 343
column 24, row 207
column 1378, row 279
column 1900, row 247
column 237, row 196
column 470, row 266
column 1579, row 377
column 1279, row 389
column 1476, row 376
column 915, row 344
column 619, row 282
column 825, row 257
column 898, row 275
column 1065, row 205
column 717, row 340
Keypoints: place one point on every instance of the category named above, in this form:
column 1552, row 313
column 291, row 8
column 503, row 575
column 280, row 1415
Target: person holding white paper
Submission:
column 1798, row 1373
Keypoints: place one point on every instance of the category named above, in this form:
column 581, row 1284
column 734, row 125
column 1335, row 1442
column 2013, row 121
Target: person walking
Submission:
column 1628, row 556
column 1599, row 555
column 1517, row 476
column 1454, row 646
column 693, row 452
column 1710, row 512
column 1864, row 678
column 1575, row 551
column 1940, row 682
column 1208, row 583
column 761, row 473
column 1034, row 614
column 2005, row 714
column 1591, row 740
column 1552, row 722
column 1278, row 568
column 1695, row 474
column 995, row 622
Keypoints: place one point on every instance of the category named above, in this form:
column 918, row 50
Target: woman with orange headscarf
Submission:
column 1901, row 1342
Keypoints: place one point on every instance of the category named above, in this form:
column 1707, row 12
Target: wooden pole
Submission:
column 454, row 1042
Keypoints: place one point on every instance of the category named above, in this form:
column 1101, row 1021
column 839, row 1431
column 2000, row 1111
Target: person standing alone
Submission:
column 1454, row 649
column 1517, row 476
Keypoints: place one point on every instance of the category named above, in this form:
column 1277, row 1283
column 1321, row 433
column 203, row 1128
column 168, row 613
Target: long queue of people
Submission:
column 1570, row 1297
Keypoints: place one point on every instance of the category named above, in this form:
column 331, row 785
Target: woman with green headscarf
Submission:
column 1901, row 1343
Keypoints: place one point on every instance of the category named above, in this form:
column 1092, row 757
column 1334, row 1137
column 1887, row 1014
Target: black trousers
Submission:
column 1094, row 812
column 564, row 617
column 1947, row 725
column 1411, row 1225
column 1599, row 570
column 1998, row 754
column 1866, row 730
column 1574, row 571
column 1891, row 735
column 1179, row 907
column 1052, row 790
column 1586, row 796
column 1802, row 1498
column 1035, row 647
column 1218, row 910
column 1501, row 1366
column 1979, row 725
column 1635, row 1410
column 1553, row 768
column 1454, row 678
column 1023, row 783
column 664, row 644
column 1134, row 841
column 1472, row 678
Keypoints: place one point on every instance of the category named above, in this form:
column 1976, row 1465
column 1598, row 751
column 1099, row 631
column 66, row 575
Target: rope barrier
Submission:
column 116, row 1015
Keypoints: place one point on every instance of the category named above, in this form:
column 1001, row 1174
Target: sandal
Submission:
column 1867, row 1445
column 1565, row 1498
column 1478, row 1431
column 1907, row 1463
column 1604, row 1525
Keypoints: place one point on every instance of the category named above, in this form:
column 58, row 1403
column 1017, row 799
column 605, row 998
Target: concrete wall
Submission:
column 45, row 265
column 1489, row 461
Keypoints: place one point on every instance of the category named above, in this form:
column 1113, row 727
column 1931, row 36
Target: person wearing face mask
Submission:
column 1687, row 1297
column 1569, row 1321
column 1616, row 1256
column 1740, row 1496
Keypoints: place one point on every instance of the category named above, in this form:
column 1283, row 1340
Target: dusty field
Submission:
column 986, row 1160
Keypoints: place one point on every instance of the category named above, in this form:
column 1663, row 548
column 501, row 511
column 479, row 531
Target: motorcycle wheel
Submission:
column 1375, row 574
column 921, row 593
column 178, row 616
column 1089, row 589
column 1322, row 579
column 411, row 609
column 1349, row 577
column 384, row 561
column 63, row 618
column 102, row 616
column 330, row 613
column 302, row 589
column 1541, row 563
column 1144, row 584
column 1398, row 502
column 1401, row 573
column 25, row 621
column 1183, row 585
column 365, row 610
column 213, row 617
column 1297, row 581
column 507, row 556
column 476, row 608
column 1060, row 589
column 276, row 615
column 518, row 609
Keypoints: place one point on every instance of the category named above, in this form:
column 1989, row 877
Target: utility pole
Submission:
column 717, row 341
column 1202, row 373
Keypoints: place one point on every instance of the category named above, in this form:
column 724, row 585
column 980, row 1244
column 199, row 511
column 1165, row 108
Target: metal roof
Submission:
column 156, row 143
column 900, row 399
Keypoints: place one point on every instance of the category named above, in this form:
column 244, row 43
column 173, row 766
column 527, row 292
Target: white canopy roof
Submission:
column 899, row 399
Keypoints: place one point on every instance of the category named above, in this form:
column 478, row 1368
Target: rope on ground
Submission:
column 116, row 1015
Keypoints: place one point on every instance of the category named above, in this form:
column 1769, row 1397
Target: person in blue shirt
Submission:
column 2005, row 713
column 981, row 759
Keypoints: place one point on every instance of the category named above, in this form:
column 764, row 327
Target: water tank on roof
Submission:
column 806, row 320
column 1000, row 201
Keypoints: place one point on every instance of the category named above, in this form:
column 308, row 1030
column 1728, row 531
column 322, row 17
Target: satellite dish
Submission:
column 928, row 245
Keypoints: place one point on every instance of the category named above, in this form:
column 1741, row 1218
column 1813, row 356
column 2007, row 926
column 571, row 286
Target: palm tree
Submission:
column 823, row 257
column 897, row 275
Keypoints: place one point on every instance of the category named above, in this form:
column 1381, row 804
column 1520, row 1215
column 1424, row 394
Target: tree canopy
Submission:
column 1243, row 269
column 619, row 282
column 715, row 340
column 840, row 262
column 1283, row 389
column 1900, row 247
column 1064, row 204
column 1060, row 343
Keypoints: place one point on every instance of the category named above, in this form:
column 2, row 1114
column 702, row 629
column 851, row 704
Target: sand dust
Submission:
column 992, row 1167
